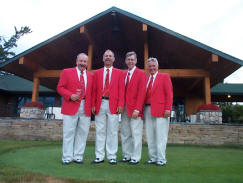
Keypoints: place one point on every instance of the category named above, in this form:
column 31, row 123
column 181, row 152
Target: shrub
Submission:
column 34, row 104
column 232, row 113
column 213, row 107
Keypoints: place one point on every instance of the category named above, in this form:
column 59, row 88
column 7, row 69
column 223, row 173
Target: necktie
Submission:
column 128, row 79
column 106, row 92
column 127, row 82
column 82, row 95
column 148, row 93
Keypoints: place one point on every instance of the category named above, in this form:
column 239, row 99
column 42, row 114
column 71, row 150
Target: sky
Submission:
column 215, row 23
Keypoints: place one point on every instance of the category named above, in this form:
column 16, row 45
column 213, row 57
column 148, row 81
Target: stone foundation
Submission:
column 32, row 112
column 217, row 134
column 209, row 116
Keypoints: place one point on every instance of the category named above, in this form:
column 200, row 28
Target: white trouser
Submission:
column 75, row 133
column 131, row 137
column 106, row 125
column 157, row 133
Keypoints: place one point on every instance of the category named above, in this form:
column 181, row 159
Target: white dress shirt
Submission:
column 104, row 75
column 131, row 72
column 154, row 76
column 84, row 75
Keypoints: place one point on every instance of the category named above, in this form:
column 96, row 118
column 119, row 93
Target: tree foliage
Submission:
column 7, row 45
column 232, row 113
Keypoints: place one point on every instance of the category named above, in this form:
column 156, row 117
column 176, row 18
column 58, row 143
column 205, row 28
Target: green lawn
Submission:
column 33, row 161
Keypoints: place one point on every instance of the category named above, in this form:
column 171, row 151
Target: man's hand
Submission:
column 119, row 110
column 93, row 110
column 74, row 97
column 135, row 114
column 167, row 114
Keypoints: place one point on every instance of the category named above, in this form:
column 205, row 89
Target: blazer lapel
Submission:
column 132, row 78
column 155, row 84
column 113, row 74
column 147, row 78
column 101, row 77
column 75, row 75
column 88, row 80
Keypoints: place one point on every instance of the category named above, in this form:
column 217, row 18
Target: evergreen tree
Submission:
column 7, row 45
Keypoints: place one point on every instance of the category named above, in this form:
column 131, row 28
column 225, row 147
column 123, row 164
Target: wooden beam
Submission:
column 30, row 64
column 90, row 54
column 145, row 37
column 145, row 27
column 215, row 58
column 207, row 90
column 145, row 56
column 35, row 90
column 48, row 74
column 185, row 73
column 21, row 60
column 194, row 83
column 84, row 30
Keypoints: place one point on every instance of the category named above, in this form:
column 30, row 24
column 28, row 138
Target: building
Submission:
column 227, row 92
column 16, row 91
column 193, row 66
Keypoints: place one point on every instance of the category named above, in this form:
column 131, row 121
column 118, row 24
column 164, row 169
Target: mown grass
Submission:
column 40, row 161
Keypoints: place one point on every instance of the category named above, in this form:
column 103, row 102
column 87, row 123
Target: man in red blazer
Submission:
column 132, row 123
column 75, row 86
column 107, row 103
column 158, row 105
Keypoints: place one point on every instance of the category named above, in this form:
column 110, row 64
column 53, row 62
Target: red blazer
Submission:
column 117, row 88
column 67, row 85
column 136, row 91
column 161, row 95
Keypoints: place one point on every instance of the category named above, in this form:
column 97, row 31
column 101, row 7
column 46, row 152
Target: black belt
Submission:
column 105, row 97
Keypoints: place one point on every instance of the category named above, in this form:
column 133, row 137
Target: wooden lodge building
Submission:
column 193, row 66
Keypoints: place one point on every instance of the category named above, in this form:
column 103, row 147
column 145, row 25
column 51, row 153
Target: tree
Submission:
column 232, row 113
column 7, row 45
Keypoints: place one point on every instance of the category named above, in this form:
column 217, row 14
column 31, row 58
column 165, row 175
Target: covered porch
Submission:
column 193, row 66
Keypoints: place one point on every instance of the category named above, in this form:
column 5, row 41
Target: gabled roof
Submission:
column 140, row 19
column 227, row 88
column 122, row 31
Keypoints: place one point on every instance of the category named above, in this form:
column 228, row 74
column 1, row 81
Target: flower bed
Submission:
column 32, row 110
column 209, row 113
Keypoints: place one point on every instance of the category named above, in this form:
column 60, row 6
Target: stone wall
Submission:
column 179, row 133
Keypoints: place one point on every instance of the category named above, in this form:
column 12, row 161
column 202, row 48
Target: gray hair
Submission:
column 110, row 51
column 128, row 54
column 152, row 59
column 80, row 54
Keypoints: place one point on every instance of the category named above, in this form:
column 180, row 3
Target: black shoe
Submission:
column 133, row 162
column 112, row 162
column 125, row 160
column 78, row 161
column 97, row 161
column 149, row 162
column 66, row 162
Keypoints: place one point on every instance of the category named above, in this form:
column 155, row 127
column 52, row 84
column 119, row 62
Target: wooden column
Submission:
column 90, row 54
column 145, row 33
column 35, row 91
column 207, row 90
column 145, row 56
